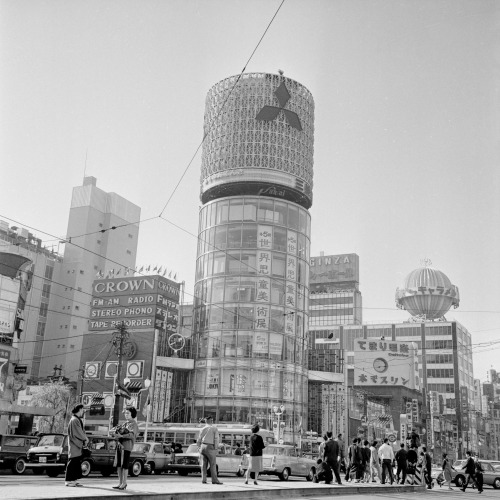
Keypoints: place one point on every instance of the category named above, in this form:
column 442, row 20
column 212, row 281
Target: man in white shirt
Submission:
column 386, row 454
column 208, row 444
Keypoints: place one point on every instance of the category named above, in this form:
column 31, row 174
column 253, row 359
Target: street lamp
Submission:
column 278, row 411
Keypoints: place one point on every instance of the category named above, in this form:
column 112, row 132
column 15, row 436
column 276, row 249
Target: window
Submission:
column 72, row 346
column 81, row 271
column 74, row 327
column 98, row 242
column 43, row 309
column 49, row 270
column 236, row 210
column 46, row 290
column 77, row 308
column 130, row 236
column 129, row 252
column 40, row 329
column 234, row 236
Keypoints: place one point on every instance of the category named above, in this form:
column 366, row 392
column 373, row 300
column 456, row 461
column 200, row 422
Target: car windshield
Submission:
column 192, row 448
column 274, row 450
column 51, row 440
column 141, row 447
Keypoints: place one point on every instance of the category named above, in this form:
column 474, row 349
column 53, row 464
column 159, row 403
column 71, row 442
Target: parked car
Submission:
column 157, row 461
column 50, row 455
column 190, row 462
column 13, row 450
column 491, row 475
column 283, row 461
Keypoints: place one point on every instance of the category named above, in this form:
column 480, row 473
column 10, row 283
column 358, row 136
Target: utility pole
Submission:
column 118, row 340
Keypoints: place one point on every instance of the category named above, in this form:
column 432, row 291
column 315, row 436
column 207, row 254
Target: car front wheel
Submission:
column 496, row 483
column 19, row 466
column 86, row 468
column 136, row 468
column 284, row 475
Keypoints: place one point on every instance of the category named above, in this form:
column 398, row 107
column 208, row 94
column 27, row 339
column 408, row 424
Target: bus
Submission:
column 229, row 434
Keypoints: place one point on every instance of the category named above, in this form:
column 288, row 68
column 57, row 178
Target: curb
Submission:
column 260, row 493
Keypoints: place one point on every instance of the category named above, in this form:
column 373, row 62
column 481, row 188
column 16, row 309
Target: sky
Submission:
column 407, row 127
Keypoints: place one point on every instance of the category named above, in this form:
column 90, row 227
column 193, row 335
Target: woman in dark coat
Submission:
column 255, row 459
column 77, row 440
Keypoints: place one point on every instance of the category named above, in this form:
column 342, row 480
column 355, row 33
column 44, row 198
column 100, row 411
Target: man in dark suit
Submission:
column 470, row 469
column 331, row 455
column 401, row 460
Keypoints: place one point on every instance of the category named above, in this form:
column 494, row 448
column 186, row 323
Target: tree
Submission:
column 58, row 396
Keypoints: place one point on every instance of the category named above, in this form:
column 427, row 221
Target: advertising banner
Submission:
column 138, row 302
column 334, row 268
column 4, row 369
column 382, row 362
column 9, row 296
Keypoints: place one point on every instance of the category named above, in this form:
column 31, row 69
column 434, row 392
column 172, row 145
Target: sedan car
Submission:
column 157, row 461
column 491, row 475
column 283, row 461
column 190, row 461
column 50, row 455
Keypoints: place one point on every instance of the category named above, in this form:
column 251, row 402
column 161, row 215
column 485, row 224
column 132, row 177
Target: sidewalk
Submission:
column 163, row 489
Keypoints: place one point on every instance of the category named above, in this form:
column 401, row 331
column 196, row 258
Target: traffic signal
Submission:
column 97, row 409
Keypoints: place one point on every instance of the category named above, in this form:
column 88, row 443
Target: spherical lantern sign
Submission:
column 427, row 293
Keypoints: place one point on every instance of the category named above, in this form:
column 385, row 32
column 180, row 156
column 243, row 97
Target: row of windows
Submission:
column 250, row 289
column 442, row 388
column 247, row 262
column 255, row 209
column 246, row 236
column 249, row 317
column 440, row 372
column 439, row 344
column 331, row 312
column 331, row 301
column 330, row 320
column 439, row 358
column 248, row 344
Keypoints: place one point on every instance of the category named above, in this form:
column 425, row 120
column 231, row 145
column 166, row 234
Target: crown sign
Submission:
column 270, row 113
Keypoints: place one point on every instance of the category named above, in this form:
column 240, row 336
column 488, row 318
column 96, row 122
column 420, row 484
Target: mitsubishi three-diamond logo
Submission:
column 270, row 113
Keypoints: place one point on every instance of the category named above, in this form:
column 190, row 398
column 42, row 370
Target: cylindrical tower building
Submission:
column 252, row 272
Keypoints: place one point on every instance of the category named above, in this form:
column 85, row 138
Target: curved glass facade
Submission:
column 250, row 312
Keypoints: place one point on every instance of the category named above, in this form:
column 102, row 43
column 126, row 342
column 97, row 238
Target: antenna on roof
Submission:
column 85, row 167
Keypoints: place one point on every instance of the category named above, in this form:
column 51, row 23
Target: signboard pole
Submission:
column 122, row 332
column 151, row 387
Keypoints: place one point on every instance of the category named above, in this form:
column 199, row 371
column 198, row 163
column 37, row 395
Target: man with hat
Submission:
column 77, row 440
column 208, row 444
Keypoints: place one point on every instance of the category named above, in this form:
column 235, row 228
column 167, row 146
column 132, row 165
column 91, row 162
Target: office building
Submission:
column 101, row 239
column 334, row 300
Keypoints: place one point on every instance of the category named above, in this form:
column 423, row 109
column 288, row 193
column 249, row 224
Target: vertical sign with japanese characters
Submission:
column 156, row 396
column 290, row 300
column 264, row 250
column 341, row 410
column 291, row 244
column 414, row 410
column 261, row 317
column 163, row 387
column 409, row 416
column 403, row 427
column 291, row 268
column 263, row 293
column 168, row 395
